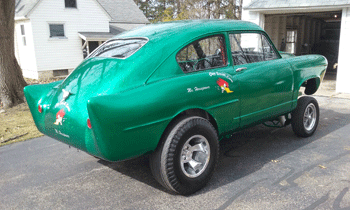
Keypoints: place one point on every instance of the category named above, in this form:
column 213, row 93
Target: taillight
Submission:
column 40, row 109
column 89, row 123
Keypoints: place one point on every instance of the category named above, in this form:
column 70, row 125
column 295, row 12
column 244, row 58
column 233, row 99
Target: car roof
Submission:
column 188, row 27
column 165, row 39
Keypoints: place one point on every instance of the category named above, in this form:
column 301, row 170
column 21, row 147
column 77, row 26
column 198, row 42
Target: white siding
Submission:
column 255, row 17
column 25, row 54
column 343, row 74
column 64, row 53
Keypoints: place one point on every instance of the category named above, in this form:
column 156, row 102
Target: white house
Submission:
column 51, row 35
column 317, row 26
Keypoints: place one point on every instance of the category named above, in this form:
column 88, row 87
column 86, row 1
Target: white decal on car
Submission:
column 227, row 76
column 190, row 90
column 62, row 134
column 202, row 88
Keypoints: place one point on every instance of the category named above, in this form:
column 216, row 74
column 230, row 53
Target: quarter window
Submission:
column 203, row 54
column 119, row 48
column 56, row 30
column 251, row 48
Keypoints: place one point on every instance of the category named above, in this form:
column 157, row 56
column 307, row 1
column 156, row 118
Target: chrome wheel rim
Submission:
column 310, row 115
column 195, row 156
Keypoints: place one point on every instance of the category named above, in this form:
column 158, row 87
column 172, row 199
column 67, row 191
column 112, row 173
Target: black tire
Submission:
column 169, row 162
column 305, row 117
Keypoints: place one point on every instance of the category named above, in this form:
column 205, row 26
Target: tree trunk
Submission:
column 11, row 77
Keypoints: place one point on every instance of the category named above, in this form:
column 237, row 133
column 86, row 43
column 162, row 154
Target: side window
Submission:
column 269, row 52
column 203, row 54
column 238, row 56
column 251, row 48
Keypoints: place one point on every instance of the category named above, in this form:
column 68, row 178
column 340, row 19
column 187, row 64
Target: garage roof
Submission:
column 269, row 4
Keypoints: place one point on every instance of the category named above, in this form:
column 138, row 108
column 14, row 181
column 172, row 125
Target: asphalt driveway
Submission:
column 259, row 168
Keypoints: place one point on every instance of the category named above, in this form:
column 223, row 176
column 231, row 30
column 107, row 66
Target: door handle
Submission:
column 241, row 69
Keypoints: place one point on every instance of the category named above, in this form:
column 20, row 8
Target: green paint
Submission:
column 131, row 101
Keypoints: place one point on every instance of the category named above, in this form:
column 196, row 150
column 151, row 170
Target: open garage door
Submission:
column 307, row 33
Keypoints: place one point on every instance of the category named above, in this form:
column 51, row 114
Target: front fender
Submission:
column 307, row 67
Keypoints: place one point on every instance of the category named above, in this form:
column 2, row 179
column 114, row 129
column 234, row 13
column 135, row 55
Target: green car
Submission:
column 172, row 90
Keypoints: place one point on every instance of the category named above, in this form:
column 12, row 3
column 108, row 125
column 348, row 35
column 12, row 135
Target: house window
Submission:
column 56, row 30
column 291, row 41
column 23, row 34
column 70, row 3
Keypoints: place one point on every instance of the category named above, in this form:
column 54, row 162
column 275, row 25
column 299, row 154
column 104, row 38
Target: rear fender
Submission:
column 38, row 95
column 121, row 130
column 131, row 123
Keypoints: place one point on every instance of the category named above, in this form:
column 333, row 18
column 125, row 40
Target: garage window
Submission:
column 202, row 54
column 291, row 40
column 251, row 48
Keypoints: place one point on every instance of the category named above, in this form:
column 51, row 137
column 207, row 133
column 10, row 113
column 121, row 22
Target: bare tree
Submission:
column 11, row 78
column 212, row 9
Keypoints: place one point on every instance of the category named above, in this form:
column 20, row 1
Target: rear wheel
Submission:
column 305, row 117
column 185, row 160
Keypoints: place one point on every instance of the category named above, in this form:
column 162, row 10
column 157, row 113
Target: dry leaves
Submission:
column 321, row 166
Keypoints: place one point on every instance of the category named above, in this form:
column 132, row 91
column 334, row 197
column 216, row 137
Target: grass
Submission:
column 17, row 124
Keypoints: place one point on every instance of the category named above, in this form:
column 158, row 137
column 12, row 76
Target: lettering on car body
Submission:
column 227, row 76
column 190, row 90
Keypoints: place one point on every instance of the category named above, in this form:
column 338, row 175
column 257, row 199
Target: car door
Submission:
column 209, row 80
column 266, row 80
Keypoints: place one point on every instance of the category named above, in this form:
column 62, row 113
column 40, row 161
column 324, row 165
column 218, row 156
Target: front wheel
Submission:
column 305, row 117
column 185, row 160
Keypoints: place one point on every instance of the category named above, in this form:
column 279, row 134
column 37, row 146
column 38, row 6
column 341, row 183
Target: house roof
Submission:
column 124, row 11
column 272, row 4
column 23, row 7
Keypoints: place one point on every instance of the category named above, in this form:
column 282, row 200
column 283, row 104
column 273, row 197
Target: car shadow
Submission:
column 244, row 153
column 138, row 169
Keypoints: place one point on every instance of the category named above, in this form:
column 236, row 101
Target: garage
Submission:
column 299, row 27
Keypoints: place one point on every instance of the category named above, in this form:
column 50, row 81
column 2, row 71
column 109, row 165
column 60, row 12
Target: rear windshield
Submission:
column 119, row 48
